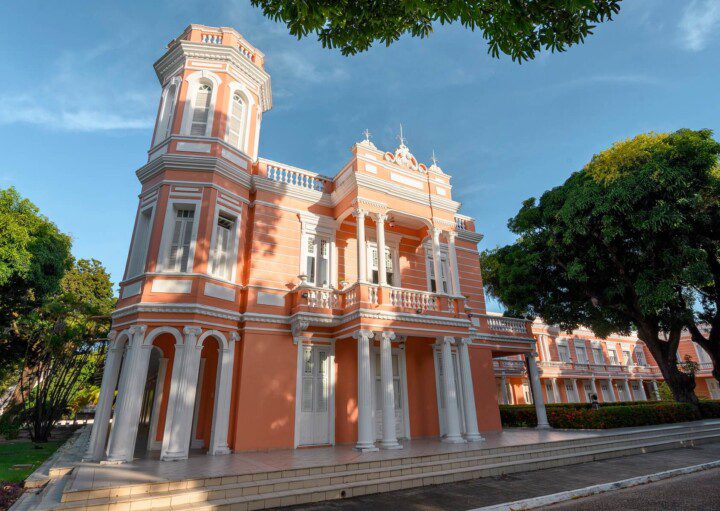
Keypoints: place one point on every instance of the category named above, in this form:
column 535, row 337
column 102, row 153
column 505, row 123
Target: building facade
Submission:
column 575, row 365
column 266, row 306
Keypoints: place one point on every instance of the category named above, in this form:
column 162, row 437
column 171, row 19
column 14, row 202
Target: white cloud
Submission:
column 74, row 96
column 296, row 65
column 699, row 23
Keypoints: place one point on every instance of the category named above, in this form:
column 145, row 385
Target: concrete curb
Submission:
column 555, row 498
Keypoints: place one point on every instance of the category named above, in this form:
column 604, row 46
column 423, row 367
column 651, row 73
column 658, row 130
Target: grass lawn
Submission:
column 23, row 452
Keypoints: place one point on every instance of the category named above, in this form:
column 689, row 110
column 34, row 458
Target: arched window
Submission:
column 236, row 122
column 201, row 110
column 166, row 114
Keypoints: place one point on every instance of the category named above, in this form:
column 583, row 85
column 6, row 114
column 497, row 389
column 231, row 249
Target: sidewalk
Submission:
column 496, row 490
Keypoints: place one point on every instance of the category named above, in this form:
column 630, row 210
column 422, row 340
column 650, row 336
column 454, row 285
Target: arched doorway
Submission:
column 208, row 382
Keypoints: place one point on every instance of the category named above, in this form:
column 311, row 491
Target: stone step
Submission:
column 537, row 453
column 346, row 490
column 250, row 487
column 396, row 463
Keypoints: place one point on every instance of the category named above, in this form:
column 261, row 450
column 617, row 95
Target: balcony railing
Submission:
column 515, row 366
column 415, row 300
column 501, row 324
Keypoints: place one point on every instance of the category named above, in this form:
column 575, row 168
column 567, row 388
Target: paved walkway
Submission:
column 496, row 490
column 692, row 492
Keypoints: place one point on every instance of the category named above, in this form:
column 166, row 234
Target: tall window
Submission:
column 612, row 355
column 375, row 268
column 598, row 355
column 179, row 250
column 444, row 272
column 640, row 356
column 164, row 126
column 628, row 357
column 317, row 261
column 581, row 354
column 563, row 352
column 222, row 255
column 201, row 110
column 236, row 124
column 140, row 243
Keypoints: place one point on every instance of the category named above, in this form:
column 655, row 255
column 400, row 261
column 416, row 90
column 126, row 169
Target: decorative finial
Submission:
column 367, row 135
column 400, row 137
column 434, row 159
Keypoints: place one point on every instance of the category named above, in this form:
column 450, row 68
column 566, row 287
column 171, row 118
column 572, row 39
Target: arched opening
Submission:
column 155, row 395
column 208, row 377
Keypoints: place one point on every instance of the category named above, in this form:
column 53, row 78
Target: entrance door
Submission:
column 550, row 393
column 399, row 397
column 439, row 375
column 314, row 402
column 589, row 391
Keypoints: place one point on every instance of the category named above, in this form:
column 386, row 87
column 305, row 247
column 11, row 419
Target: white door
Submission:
column 570, row 392
column 714, row 388
column 589, row 391
column 444, row 273
column 606, row 390
column 549, row 392
column 314, row 402
column 439, row 375
column 399, row 397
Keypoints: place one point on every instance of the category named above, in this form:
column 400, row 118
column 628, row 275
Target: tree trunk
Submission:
column 682, row 385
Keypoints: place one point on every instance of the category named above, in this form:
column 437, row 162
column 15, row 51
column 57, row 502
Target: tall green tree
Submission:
column 63, row 345
column 34, row 256
column 519, row 29
column 630, row 242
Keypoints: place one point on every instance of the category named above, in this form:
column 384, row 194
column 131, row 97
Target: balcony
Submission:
column 513, row 367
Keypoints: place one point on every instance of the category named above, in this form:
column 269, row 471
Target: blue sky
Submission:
column 80, row 95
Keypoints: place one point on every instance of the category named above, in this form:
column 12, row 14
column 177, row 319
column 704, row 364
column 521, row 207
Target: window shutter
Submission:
column 235, row 122
column 201, row 110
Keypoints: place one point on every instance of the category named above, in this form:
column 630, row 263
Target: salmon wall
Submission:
column 483, row 376
column 346, row 379
column 265, row 413
column 166, row 343
column 422, row 393
column 207, row 391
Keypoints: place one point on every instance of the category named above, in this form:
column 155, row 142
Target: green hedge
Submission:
column 609, row 415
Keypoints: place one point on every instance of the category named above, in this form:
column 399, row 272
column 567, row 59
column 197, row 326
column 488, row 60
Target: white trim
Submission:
column 168, row 226
column 237, row 216
column 193, row 81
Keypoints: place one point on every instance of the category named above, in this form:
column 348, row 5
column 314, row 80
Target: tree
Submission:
column 518, row 29
column 63, row 345
column 629, row 242
column 34, row 256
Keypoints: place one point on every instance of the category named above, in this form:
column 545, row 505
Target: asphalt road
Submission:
column 699, row 491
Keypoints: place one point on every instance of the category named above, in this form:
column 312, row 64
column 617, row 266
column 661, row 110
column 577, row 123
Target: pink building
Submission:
column 266, row 306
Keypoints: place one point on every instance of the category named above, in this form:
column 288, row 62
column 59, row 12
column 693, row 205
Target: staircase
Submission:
column 269, row 489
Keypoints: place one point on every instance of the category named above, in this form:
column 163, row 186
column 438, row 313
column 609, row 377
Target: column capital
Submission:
column 385, row 336
column 192, row 330
column 234, row 336
column 445, row 339
column 451, row 235
column 380, row 217
column 112, row 334
column 435, row 232
column 137, row 329
column 467, row 341
column 363, row 334
column 359, row 212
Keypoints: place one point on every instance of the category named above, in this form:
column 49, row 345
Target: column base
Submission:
column 453, row 440
column 113, row 462
column 174, row 456
column 474, row 438
column 220, row 451
column 366, row 448
column 543, row 426
column 387, row 446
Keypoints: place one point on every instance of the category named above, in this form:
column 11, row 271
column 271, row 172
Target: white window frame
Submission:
column 702, row 355
column 233, row 253
column 596, row 346
column 627, row 356
column 581, row 349
column 324, row 228
column 613, row 360
column 563, row 343
column 430, row 269
column 166, row 115
column 640, row 356
column 168, row 226
column 134, row 246
column 317, row 243
column 394, row 249
column 300, row 369
column 248, row 104
column 193, row 83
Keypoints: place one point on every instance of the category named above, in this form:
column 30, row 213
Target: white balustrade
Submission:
column 461, row 223
column 416, row 300
column 373, row 294
column 296, row 178
column 212, row 38
column 246, row 52
column 322, row 298
column 351, row 297
column 499, row 324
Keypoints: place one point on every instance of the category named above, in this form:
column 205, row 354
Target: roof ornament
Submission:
column 403, row 156
column 435, row 167
column 366, row 142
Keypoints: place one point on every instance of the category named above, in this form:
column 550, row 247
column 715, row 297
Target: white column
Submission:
column 157, row 402
column 643, row 394
column 471, row 426
column 333, row 263
column 454, row 272
column 628, row 393
column 452, row 419
column 542, row 421
column 382, row 270
column 612, row 390
column 556, row 392
column 101, row 421
column 389, row 435
column 655, row 390
column 121, row 446
column 593, row 388
column 361, row 254
column 435, row 235
column 186, row 364
column 221, row 407
column 366, row 440
column 504, row 389
column 575, row 390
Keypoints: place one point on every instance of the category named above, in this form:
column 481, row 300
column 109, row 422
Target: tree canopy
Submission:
column 34, row 256
column 630, row 242
column 517, row 29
